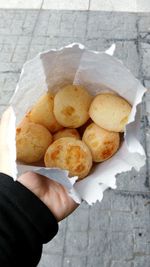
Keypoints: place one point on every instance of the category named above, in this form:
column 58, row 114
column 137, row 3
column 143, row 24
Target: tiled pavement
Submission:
column 115, row 232
column 105, row 5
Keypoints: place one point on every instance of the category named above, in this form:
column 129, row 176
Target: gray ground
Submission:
column 115, row 232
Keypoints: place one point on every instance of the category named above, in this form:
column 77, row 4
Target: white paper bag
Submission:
column 97, row 71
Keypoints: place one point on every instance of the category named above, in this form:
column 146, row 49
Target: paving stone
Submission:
column 84, row 205
column 133, row 181
column 141, row 212
column 141, row 241
column 97, row 261
column 16, row 26
column 6, row 13
column 6, row 53
column 5, row 97
column 11, row 82
column 6, row 19
column 121, row 264
column 38, row 40
column 74, row 261
column 42, row 23
column 121, row 202
column 20, row 53
column 1, row 47
column 142, row 248
column 57, row 244
column 24, row 40
column 147, row 83
column 9, row 42
column 121, row 246
column 73, row 24
column 11, row 67
column 78, row 221
column 140, row 202
column 22, row 23
column 148, row 150
column 76, row 243
column 1, row 85
column 8, row 48
column 145, row 48
column 55, row 23
column 98, row 44
column 121, row 221
column 142, row 261
column 144, row 23
column 67, row 23
column 5, row 57
column 126, row 51
column 99, row 243
column 147, row 106
column 54, row 260
column 99, row 25
column 57, row 42
column 3, row 77
column 98, row 219
column 29, row 23
column 34, row 50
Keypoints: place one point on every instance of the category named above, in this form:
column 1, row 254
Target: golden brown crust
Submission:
column 32, row 140
column 110, row 112
column 66, row 133
column 42, row 113
column 69, row 154
column 71, row 105
column 102, row 143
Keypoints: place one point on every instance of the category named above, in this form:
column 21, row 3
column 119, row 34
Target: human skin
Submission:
column 51, row 193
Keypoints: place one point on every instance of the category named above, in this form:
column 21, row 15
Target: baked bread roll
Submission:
column 32, row 141
column 102, row 143
column 71, row 105
column 69, row 154
column 42, row 113
column 110, row 112
column 66, row 133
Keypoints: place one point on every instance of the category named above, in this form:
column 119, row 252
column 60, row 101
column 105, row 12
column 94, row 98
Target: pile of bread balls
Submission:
column 72, row 130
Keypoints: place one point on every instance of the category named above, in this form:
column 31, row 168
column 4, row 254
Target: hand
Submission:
column 53, row 194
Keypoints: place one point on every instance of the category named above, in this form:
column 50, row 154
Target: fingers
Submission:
column 54, row 195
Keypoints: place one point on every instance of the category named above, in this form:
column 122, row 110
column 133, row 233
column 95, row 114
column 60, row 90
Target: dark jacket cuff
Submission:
column 34, row 210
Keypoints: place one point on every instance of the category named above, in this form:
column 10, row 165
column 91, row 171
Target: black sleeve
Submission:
column 25, row 224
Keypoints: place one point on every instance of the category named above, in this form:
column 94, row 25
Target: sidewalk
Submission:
column 98, row 5
column 115, row 232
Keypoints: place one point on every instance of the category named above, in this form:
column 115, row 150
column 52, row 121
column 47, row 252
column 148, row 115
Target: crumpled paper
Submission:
column 97, row 71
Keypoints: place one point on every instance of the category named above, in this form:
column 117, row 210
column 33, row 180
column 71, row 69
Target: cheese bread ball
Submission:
column 69, row 154
column 32, row 141
column 110, row 112
column 71, row 106
column 102, row 143
column 66, row 133
column 42, row 113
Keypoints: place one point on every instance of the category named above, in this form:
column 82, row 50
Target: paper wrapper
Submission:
column 97, row 71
